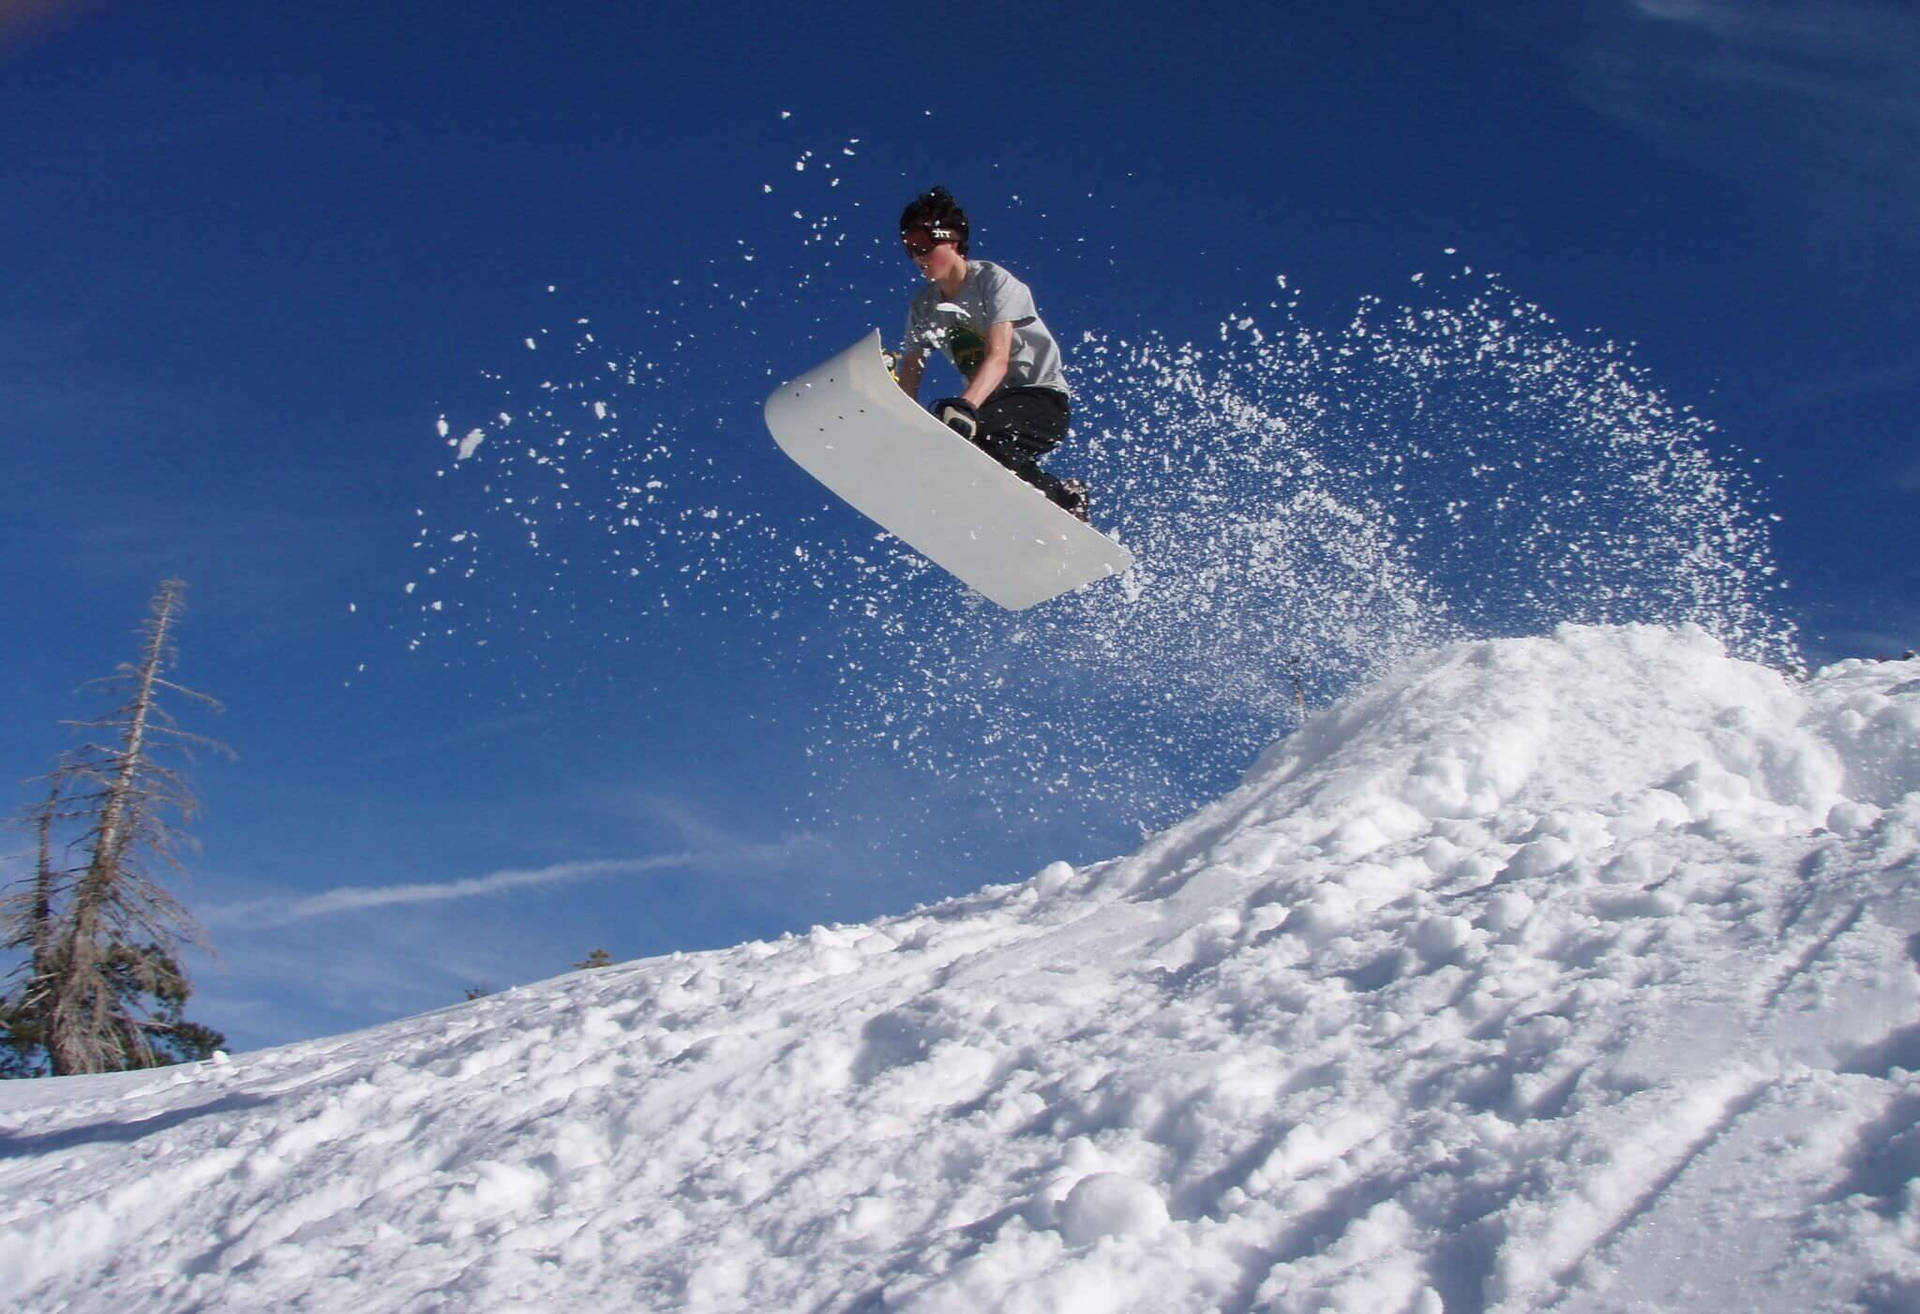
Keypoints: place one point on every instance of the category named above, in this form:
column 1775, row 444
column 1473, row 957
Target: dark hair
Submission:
column 935, row 209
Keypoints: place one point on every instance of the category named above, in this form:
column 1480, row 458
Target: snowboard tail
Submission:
column 847, row 423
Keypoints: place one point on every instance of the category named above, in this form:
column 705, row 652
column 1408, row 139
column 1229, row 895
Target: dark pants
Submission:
column 1020, row 425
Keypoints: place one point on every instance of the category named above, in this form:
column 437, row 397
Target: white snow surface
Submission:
column 1575, row 972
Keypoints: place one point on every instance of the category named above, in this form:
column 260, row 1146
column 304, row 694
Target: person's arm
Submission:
column 993, row 370
column 912, row 366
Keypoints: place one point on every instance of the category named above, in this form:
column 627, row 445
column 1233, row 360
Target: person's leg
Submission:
column 1019, row 426
column 1029, row 422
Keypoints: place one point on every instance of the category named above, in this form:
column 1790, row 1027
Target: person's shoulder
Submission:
column 996, row 277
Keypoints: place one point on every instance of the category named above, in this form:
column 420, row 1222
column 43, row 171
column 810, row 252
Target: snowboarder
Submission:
column 1016, row 405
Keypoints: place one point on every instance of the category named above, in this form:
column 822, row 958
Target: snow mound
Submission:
column 1576, row 971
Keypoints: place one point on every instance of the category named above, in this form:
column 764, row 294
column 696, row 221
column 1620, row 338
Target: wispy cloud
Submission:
column 718, row 853
column 325, row 976
column 293, row 964
column 356, row 898
column 1818, row 96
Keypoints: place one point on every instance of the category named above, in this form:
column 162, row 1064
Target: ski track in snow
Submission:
column 1575, row 973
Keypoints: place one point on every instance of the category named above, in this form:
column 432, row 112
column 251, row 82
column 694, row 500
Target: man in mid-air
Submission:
column 1016, row 405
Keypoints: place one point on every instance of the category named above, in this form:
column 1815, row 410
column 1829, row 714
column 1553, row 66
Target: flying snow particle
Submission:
column 471, row 442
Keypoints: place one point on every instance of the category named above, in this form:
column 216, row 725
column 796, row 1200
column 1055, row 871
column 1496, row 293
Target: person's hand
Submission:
column 958, row 414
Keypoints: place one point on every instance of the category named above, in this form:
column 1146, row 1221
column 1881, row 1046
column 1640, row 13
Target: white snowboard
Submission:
column 850, row 426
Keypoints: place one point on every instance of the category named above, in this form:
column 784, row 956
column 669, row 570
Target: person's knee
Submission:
column 998, row 447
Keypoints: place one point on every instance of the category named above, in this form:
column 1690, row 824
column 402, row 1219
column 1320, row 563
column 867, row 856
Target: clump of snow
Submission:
column 1572, row 972
column 1110, row 1205
column 1054, row 877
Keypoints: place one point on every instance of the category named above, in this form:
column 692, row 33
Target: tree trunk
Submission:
column 80, row 1034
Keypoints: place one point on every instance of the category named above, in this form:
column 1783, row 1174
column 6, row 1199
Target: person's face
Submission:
column 935, row 259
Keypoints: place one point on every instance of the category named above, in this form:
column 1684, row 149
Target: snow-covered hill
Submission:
column 1575, row 972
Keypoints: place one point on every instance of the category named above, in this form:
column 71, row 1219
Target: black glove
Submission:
column 958, row 414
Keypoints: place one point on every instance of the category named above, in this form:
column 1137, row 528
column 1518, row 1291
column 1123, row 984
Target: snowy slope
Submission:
column 1574, row 972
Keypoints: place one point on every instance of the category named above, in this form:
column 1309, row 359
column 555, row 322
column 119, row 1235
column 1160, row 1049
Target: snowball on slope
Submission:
column 1110, row 1204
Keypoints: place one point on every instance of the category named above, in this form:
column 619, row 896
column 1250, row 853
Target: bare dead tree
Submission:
column 102, row 983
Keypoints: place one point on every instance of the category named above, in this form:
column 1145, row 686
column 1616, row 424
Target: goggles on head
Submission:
column 921, row 241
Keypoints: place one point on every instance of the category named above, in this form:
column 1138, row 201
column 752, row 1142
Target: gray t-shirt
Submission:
column 959, row 327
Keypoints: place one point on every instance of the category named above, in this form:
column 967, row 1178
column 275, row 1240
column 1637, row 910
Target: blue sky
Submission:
column 254, row 256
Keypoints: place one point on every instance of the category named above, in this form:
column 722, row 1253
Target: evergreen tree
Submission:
column 598, row 958
column 30, row 916
column 101, row 988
